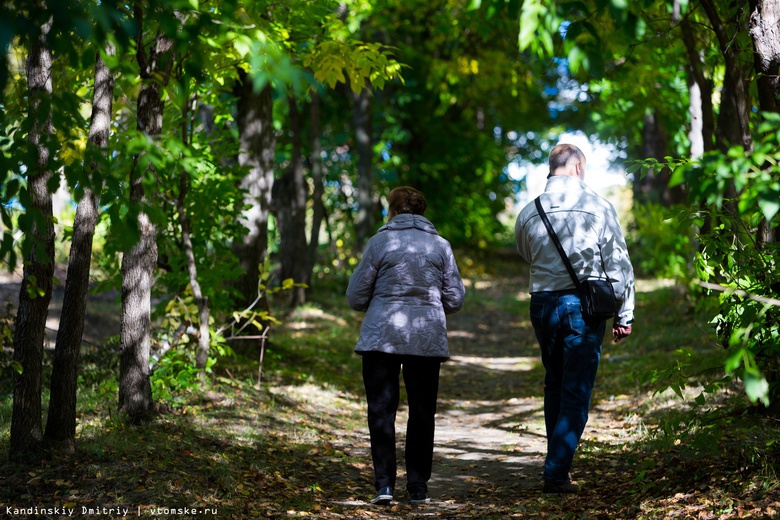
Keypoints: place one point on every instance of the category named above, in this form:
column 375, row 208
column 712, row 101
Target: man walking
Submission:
column 589, row 232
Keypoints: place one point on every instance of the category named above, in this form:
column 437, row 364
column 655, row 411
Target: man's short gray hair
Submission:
column 562, row 154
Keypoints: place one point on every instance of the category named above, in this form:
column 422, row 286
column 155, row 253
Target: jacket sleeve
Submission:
column 452, row 292
column 521, row 239
column 361, row 283
column 619, row 270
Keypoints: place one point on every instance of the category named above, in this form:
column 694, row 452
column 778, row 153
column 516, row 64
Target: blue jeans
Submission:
column 571, row 350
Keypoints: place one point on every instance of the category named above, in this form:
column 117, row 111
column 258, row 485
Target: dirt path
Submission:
column 102, row 313
column 490, row 439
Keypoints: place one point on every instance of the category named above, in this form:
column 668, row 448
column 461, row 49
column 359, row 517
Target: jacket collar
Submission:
column 409, row 221
column 563, row 183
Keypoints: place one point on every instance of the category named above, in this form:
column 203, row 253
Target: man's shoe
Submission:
column 566, row 487
column 420, row 498
column 383, row 497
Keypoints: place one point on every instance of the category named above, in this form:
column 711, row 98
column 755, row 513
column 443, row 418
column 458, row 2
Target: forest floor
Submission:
column 296, row 445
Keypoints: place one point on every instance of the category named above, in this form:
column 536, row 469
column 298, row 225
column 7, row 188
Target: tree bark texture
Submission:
column 362, row 120
column 289, row 202
column 318, row 191
column 765, row 32
column 61, row 423
column 257, row 148
column 35, row 293
column 139, row 261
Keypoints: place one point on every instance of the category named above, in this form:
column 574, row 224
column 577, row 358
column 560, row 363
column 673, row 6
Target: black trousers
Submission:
column 421, row 378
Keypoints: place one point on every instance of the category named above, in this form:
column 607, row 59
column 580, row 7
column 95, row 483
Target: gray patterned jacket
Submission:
column 406, row 283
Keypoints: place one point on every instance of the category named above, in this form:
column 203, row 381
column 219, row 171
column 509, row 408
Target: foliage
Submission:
column 661, row 245
column 444, row 130
column 176, row 374
column 729, row 259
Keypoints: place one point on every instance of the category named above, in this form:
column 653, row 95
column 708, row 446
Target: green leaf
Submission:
column 529, row 23
column 769, row 204
column 677, row 177
column 633, row 168
column 771, row 116
column 734, row 361
column 756, row 386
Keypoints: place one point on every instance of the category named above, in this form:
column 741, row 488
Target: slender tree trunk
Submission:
column 734, row 115
column 653, row 188
column 765, row 31
column 35, row 293
column 257, row 148
column 734, row 123
column 289, row 201
column 318, row 208
column 365, row 186
column 61, row 423
column 696, row 131
column 700, row 91
column 204, row 334
column 138, row 262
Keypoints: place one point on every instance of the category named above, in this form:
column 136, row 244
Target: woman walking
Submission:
column 406, row 283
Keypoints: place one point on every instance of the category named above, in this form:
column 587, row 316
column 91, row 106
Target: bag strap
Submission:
column 557, row 243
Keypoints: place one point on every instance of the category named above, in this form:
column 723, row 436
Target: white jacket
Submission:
column 582, row 220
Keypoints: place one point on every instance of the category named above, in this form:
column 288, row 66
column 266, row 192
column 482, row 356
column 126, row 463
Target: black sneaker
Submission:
column 420, row 498
column 383, row 497
column 565, row 487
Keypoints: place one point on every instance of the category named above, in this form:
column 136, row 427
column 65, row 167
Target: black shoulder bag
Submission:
column 597, row 296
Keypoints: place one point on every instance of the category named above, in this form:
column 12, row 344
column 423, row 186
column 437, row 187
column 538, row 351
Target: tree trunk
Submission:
column 765, row 31
column 138, row 262
column 700, row 95
column 257, row 148
column 365, row 186
column 35, row 293
column 695, row 112
column 734, row 121
column 654, row 145
column 61, row 423
column 318, row 208
column 289, row 202
column 204, row 334
column 734, row 115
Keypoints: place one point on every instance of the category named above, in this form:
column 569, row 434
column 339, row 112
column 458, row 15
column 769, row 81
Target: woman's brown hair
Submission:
column 406, row 199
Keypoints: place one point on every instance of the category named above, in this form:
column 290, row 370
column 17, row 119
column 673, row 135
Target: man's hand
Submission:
column 620, row 331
